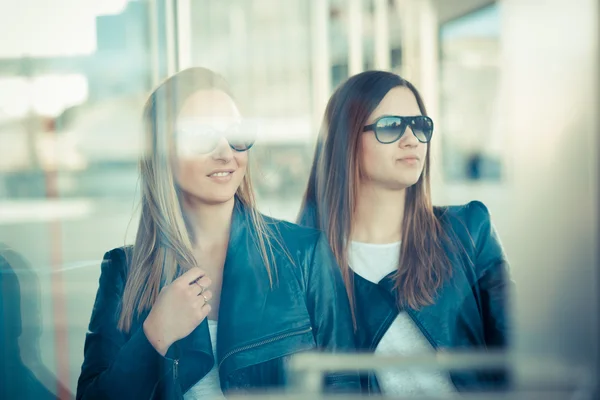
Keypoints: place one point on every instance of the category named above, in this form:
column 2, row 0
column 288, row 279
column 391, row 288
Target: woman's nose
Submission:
column 223, row 151
column 408, row 138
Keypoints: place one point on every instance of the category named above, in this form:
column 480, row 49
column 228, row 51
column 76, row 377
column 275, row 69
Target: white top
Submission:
column 373, row 262
column 208, row 387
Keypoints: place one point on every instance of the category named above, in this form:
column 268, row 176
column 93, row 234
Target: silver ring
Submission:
column 202, row 288
column 205, row 299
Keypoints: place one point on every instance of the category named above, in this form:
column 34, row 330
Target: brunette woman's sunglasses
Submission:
column 389, row 129
column 203, row 139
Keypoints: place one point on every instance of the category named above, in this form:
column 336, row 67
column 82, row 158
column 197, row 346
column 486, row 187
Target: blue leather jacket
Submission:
column 259, row 326
column 470, row 311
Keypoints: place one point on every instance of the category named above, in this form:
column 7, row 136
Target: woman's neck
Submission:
column 378, row 215
column 211, row 223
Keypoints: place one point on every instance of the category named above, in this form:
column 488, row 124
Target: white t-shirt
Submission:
column 373, row 262
column 209, row 387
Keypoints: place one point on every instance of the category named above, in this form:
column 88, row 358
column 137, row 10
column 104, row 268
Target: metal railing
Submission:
column 533, row 378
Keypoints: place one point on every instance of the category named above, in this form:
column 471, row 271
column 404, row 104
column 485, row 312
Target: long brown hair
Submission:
column 163, row 244
column 330, row 197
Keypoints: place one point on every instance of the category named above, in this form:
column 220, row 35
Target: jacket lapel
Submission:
column 434, row 320
column 257, row 323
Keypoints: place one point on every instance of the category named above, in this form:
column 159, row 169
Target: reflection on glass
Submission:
column 23, row 374
column 472, row 148
column 70, row 102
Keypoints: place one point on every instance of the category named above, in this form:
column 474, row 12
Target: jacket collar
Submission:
column 246, row 309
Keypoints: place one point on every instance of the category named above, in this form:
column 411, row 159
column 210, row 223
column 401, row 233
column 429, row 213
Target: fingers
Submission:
column 191, row 276
column 202, row 306
column 202, row 299
column 202, row 312
column 205, row 296
column 204, row 282
column 199, row 287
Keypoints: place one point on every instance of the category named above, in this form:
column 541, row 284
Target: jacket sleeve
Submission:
column 494, row 282
column 329, row 308
column 116, row 365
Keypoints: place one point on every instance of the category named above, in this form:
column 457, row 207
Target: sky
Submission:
column 49, row 28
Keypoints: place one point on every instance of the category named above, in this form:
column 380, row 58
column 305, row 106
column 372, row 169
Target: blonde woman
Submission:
column 213, row 296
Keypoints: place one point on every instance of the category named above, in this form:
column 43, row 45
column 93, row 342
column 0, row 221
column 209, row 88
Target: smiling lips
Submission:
column 220, row 174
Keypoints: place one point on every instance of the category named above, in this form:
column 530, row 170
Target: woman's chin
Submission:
column 216, row 199
column 213, row 198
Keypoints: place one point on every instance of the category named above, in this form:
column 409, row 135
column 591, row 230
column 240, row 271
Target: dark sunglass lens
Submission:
column 241, row 139
column 422, row 128
column 241, row 146
column 389, row 129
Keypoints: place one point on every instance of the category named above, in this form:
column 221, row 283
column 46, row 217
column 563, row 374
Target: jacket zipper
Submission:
column 175, row 369
column 263, row 342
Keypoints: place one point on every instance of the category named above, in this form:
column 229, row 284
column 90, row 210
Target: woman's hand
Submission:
column 178, row 310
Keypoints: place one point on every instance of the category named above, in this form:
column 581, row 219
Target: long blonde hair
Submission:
column 163, row 244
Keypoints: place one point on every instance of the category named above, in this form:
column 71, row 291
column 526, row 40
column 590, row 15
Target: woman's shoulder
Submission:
column 119, row 255
column 293, row 235
column 471, row 224
column 115, row 262
column 472, row 216
column 305, row 247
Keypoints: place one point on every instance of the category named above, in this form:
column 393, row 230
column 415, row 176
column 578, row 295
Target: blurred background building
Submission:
column 511, row 84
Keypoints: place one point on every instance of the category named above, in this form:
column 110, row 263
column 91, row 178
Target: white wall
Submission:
column 549, row 98
column 546, row 208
